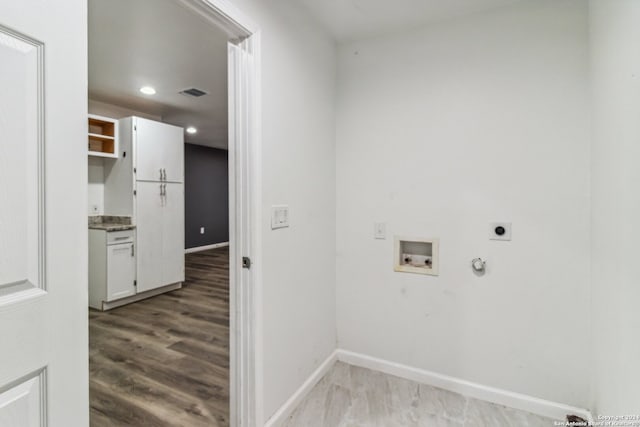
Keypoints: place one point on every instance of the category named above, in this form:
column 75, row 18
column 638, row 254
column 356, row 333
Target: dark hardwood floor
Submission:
column 164, row 361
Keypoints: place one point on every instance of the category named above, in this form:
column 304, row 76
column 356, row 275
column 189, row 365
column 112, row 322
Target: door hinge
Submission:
column 135, row 283
column 135, row 170
column 246, row 262
column 135, row 193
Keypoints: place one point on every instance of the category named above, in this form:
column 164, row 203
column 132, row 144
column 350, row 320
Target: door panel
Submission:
column 149, row 143
column 159, row 147
column 43, row 213
column 121, row 271
column 20, row 403
column 149, row 207
column 174, row 155
column 173, row 234
column 20, row 210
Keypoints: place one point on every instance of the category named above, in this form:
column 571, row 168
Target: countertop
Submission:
column 110, row 223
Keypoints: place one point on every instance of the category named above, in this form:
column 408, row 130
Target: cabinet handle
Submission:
column 160, row 170
column 164, row 174
column 132, row 250
column 164, row 194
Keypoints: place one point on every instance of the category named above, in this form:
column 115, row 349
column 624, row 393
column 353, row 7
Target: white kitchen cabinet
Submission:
column 121, row 271
column 158, row 156
column 147, row 183
column 159, row 207
column 112, row 266
column 172, row 236
column 149, row 225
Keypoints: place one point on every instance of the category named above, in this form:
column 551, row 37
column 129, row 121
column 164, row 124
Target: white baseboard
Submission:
column 139, row 297
column 292, row 403
column 490, row 394
column 498, row 396
column 206, row 248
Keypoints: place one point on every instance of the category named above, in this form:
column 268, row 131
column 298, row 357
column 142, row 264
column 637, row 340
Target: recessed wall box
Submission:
column 416, row 255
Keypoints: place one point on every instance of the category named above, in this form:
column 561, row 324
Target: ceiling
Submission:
column 348, row 20
column 160, row 43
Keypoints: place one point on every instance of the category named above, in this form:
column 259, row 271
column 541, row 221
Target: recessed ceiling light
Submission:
column 148, row 90
column 192, row 130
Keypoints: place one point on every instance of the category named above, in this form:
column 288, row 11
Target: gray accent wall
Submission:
column 206, row 195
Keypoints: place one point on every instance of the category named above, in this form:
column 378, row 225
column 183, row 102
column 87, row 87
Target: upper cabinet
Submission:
column 159, row 151
column 103, row 136
column 149, row 151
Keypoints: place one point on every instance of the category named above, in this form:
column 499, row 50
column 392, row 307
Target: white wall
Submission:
column 298, row 169
column 440, row 131
column 118, row 112
column 95, row 189
column 615, row 32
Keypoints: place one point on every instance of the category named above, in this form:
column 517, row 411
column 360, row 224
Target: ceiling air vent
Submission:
column 193, row 92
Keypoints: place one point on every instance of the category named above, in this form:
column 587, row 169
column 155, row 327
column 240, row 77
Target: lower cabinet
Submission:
column 112, row 266
column 160, row 234
column 121, row 271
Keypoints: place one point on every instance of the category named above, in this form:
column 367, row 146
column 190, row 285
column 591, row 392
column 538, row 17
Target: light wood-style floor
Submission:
column 350, row 396
column 164, row 361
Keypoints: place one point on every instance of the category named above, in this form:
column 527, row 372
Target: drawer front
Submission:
column 117, row 237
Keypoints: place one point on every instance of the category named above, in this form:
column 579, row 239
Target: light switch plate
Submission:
column 496, row 228
column 279, row 216
column 380, row 230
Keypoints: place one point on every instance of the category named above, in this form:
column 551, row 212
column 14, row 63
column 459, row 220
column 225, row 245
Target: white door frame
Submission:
column 244, row 212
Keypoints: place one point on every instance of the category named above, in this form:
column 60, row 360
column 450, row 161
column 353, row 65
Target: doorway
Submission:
column 180, row 351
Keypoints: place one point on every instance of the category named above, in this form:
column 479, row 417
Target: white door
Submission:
column 149, row 206
column 121, row 271
column 43, row 214
column 173, row 234
column 159, row 151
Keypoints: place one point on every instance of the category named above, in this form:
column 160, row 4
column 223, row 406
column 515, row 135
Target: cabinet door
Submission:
column 121, row 271
column 173, row 234
column 159, row 151
column 173, row 157
column 149, row 210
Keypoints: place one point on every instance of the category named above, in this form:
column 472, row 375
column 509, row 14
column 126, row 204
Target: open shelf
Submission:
column 102, row 137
